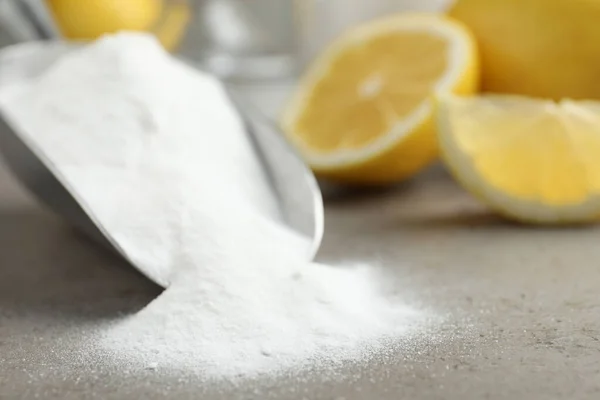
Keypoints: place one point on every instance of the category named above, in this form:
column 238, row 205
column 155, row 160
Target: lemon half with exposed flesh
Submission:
column 363, row 111
column 532, row 160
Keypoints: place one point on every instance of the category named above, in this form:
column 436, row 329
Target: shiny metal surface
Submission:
column 37, row 174
column 34, row 174
column 296, row 187
column 40, row 18
column 243, row 40
column 26, row 20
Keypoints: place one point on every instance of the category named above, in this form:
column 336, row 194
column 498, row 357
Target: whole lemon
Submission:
column 542, row 48
column 89, row 19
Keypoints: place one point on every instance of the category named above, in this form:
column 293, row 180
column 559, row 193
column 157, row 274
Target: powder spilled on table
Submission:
column 157, row 154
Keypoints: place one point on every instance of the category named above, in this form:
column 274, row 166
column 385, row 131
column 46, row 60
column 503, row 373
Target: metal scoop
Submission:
column 293, row 183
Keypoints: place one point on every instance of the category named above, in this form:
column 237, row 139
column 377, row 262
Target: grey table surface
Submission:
column 520, row 306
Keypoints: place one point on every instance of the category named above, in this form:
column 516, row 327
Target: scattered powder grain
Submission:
column 157, row 154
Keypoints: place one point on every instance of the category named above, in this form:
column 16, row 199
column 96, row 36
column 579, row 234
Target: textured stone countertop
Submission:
column 520, row 306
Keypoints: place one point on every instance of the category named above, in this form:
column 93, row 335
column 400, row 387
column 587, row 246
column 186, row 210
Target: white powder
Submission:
column 158, row 155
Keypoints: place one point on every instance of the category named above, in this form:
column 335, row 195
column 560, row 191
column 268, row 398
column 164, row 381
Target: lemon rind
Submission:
column 529, row 211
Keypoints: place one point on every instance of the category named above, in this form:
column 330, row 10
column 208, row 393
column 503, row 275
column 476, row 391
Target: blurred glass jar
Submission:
column 243, row 39
column 267, row 39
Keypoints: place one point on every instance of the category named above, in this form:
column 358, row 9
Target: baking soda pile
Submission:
column 156, row 153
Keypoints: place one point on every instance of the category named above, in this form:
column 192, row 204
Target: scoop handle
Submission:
column 28, row 20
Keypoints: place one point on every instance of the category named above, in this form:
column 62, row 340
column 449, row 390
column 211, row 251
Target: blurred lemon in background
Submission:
column 363, row 112
column 532, row 160
column 90, row 19
column 542, row 48
column 173, row 25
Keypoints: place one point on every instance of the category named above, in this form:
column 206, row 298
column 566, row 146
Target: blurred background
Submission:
column 241, row 40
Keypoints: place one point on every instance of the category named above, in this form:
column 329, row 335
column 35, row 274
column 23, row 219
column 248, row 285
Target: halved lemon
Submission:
column 363, row 111
column 532, row 160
